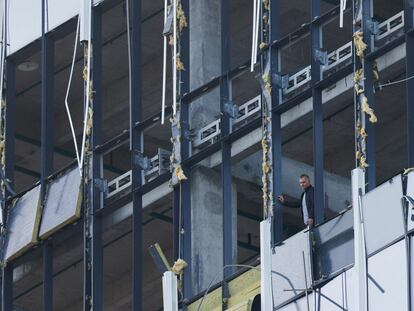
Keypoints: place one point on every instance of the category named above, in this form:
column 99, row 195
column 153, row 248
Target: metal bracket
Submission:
column 189, row 134
column 167, row 30
column 281, row 81
column 101, row 185
column 143, row 162
column 231, row 109
column 320, row 56
column 372, row 26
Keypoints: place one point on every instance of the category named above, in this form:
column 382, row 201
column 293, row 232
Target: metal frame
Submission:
column 227, row 136
column 276, row 127
column 316, row 74
column 182, row 192
column 225, row 124
column 46, row 151
column 367, row 17
column 136, row 146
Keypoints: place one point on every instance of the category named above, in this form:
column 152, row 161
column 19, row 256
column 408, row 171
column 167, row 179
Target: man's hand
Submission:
column 281, row 199
column 310, row 222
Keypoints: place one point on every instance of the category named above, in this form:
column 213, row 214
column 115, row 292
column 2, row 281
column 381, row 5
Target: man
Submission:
column 306, row 202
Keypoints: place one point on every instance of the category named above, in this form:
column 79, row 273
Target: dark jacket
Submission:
column 310, row 202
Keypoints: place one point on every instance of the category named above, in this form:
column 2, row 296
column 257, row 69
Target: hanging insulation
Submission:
column 360, row 45
column 179, row 266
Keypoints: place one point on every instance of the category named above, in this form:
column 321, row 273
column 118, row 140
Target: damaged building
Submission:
column 145, row 144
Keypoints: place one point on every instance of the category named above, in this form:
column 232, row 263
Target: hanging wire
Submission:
column 395, row 82
column 67, row 96
column 164, row 66
column 131, row 126
column 88, row 85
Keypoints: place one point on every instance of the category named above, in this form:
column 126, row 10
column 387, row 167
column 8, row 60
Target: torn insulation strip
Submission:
column 360, row 45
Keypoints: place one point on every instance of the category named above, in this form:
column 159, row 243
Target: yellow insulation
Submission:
column 179, row 266
column 360, row 45
column 368, row 110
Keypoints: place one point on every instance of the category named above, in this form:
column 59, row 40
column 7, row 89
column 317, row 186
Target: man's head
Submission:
column 304, row 181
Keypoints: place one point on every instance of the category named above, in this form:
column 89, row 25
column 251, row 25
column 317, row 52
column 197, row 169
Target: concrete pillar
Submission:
column 205, row 59
column 207, row 227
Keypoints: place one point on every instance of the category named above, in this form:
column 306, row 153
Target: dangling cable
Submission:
column 164, row 66
column 174, row 65
column 67, row 96
column 88, row 97
column 254, row 34
column 131, row 126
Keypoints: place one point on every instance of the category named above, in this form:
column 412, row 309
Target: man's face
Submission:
column 304, row 183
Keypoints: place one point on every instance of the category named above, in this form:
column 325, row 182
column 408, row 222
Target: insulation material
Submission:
column 360, row 45
column 179, row 266
column 23, row 224
column 368, row 110
column 62, row 203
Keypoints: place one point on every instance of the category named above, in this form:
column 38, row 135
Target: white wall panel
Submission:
column 387, row 282
column 288, row 274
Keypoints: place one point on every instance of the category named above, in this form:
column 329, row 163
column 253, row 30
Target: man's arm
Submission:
column 289, row 203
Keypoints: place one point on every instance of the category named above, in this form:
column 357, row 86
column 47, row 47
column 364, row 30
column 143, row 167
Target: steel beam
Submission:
column 367, row 15
column 10, row 124
column 276, row 96
column 409, row 61
column 226, row 145
column 136, row 146
column 316, row 73
column 182, row 194
column 96, row 193
column 48, row 276
column 46, row 148
column 7, row 289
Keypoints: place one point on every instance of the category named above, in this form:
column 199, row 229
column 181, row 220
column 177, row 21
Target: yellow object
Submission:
column 408, row 170
column 180, row 173
column 179, row 64
column 268, row 85
column 179, row 266
column 360, row 45
column 262, row 45
column 182, row 21
column 368, row 110
column 363, row 162
column 243, row 289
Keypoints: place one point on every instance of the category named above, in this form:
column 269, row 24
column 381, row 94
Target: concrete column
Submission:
column 207, row 226
column 205, row 59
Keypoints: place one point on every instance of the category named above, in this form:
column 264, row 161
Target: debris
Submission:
column 180, row 173
column 360, row 45
column 368, row 110
column 179, row 266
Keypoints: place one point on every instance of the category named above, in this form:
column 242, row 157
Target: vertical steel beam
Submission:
column 10, row 128
column 48, row 276
column 10, row 124
column 136, row 149
column 367, row 14
column 226, row 145
column 409, row 62
column 46, row 149
column 96, row 190
column 183, row 190
column 276, row 127
column 316, row 73
column 7, row 290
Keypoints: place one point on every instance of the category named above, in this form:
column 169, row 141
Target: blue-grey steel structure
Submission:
column 181, row 204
